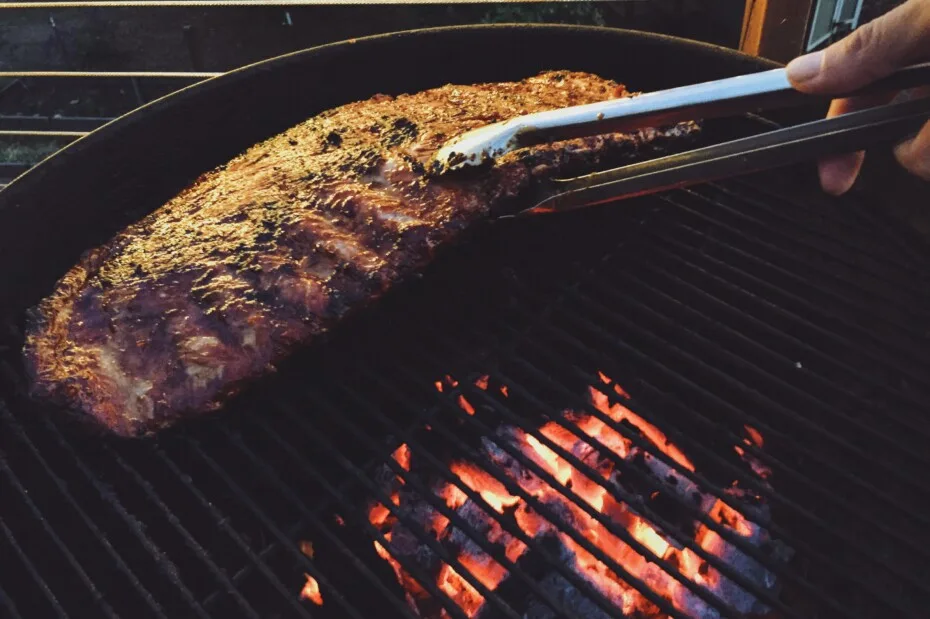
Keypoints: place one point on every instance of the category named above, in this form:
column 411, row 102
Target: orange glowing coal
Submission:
column 563, row 492
column 466, row 405
column 311, row 591
column 402, row 456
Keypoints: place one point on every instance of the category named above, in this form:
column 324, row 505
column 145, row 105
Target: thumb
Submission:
column 873, row 51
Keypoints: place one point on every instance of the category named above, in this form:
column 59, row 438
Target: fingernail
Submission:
column 804, row 68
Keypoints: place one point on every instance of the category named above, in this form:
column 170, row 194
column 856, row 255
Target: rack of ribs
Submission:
column 267, row 253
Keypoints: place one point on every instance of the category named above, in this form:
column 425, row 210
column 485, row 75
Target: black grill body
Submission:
column 751, row 302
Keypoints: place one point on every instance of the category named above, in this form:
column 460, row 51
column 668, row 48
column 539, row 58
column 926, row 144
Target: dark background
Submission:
column 219, row 39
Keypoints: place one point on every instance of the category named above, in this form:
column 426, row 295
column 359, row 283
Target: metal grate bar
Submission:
column 834, row 282
column 223, row 521
column 427, row 495
column 441, row 469
column 767, row 429
column 816, row 428
column 53, row 601
column 194, row 75
column 725, row 204
column 825, row 291
column 581, row 405
column 274, row 479
column 40, row 133
column 111, row 499
column 551, row 516
column 627, row 497
column 759, row 198
column 319, row 526
column 410, row 522
column 749, row 481
column 837, row 318
column 351, row 515
column 688, row 266
column 537, row 507
column 812, row 394
column 738, row 274
column 735, row 316
column 189, row 540
column 104, row 541
column 481, row 541
column 623, row 496
column 623, row 465
column 7, row 603
column 854, row 222
column 606, row 337
column 66, row 553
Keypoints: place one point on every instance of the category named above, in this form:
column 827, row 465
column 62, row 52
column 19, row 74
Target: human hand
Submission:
column 878, row 48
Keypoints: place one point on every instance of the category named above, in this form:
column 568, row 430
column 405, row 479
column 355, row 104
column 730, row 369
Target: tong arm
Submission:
column 714, row 99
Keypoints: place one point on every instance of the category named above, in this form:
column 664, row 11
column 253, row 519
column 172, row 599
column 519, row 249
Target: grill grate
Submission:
column 751, row 302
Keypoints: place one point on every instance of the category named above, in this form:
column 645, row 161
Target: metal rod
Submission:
column 749, row 481
column 40, row 133
column 189, row 540
column 410, row 522
column 618, row 494
column 195, row 75
column 759, row 243
column 747, row 281
column 706, row 343
column 133, row 524
column 352, row 515
column 223, row 522
column 29, row 567
column 744, row 205
column 512, row 529
column 762, row 424
column 539, row 507
column 774, row 149
column 761, row 455
column 101, row 538
column 69, row 557
column 823, row 383
column 295, row 499
column 454, row 518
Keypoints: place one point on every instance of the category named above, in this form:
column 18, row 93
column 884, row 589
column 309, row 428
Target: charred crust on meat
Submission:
column 333, row 139
column 401, row 130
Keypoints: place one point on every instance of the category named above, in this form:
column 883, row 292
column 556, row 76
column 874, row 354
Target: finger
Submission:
column 914, row 154
column 870, row 52
column 839, row 173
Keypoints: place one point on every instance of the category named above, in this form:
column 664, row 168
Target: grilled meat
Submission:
column 269, row 252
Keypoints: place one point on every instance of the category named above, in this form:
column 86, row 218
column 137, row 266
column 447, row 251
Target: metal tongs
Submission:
column 884, row 124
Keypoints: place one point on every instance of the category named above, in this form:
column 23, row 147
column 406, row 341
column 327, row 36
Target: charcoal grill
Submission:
column 755, row 302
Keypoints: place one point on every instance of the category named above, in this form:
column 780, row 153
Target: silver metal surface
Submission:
column 744, row 93
column 882, row 125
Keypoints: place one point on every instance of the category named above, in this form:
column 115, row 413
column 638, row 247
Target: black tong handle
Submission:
column 885, row 124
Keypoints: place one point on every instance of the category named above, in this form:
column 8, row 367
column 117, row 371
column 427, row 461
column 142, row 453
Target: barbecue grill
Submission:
column 711, row 402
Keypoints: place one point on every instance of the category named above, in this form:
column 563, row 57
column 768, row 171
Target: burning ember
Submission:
column 557, row 514
column 311, row 591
